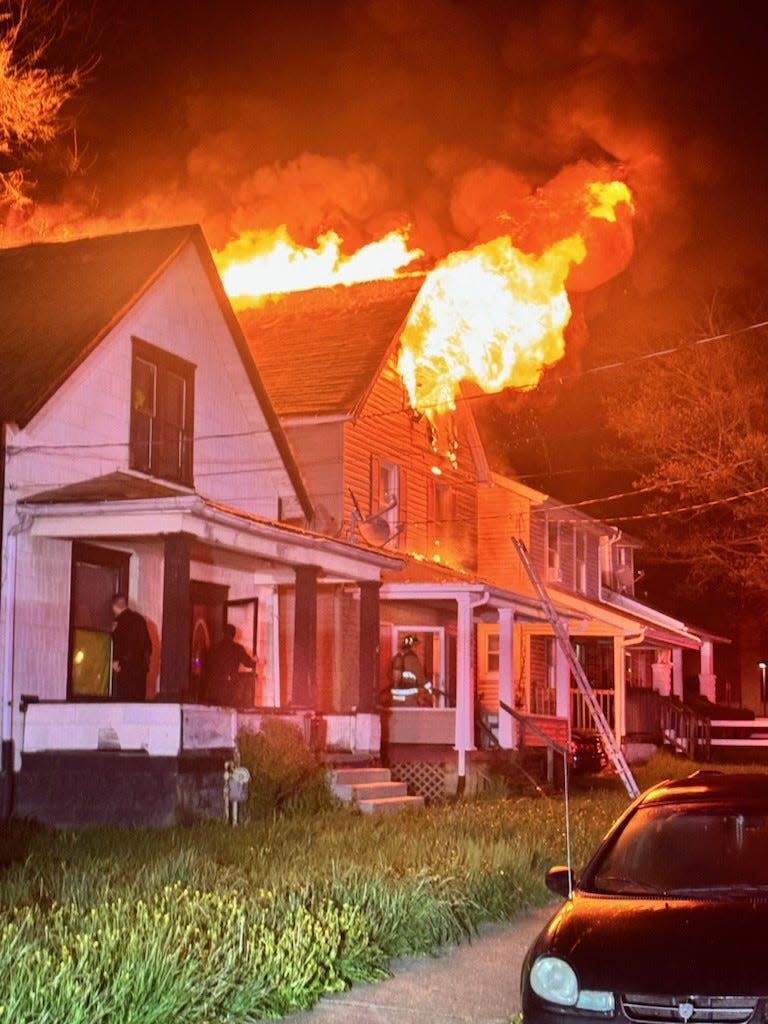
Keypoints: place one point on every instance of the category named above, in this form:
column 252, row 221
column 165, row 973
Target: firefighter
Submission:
column 409, row 684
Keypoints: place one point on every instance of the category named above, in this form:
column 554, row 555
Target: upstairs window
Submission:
column 553, row 551
column 580, row 559
column 162, row 413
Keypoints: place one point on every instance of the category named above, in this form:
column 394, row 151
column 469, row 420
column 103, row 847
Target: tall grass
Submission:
column 210, row 924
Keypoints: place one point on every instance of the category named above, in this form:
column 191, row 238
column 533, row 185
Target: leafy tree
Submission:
column 32, row 93
column 694, row 427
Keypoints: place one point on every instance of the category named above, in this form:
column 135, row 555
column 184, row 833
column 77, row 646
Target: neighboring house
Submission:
column 375, row 472
column 627, row 648
column 378, row 471
column 139, row 452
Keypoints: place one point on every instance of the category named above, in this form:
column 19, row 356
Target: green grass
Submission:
column 213, row 925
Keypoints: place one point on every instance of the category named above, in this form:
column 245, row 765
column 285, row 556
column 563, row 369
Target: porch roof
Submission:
column 431, row 581
column 121, row 505
column 656, row 628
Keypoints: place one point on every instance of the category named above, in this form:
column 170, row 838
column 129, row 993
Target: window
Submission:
column 97, row 575
column 387, row 513
column 553, row 551
column 162, row 413
column 492, row 653
column 581, row 561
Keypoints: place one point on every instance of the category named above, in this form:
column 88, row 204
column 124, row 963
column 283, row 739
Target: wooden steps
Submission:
column 372, row 790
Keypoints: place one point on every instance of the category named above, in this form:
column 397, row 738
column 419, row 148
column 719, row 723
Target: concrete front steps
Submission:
column 372, row 790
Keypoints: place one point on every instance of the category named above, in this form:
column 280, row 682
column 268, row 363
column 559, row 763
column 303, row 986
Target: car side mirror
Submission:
column 559, row 880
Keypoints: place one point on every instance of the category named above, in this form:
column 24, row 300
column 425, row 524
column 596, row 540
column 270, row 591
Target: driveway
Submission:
column 475, row 983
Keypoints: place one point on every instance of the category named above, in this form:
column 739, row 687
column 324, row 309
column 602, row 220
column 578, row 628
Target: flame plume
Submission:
column 494, row 315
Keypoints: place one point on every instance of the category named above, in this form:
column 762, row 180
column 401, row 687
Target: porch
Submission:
column 190, row 566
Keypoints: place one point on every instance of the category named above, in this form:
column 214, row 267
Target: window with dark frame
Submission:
column 162, row 413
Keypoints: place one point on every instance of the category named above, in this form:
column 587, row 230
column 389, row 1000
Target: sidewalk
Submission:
column 475, row 983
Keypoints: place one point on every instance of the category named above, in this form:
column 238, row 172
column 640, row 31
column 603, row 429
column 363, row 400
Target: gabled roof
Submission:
column 319, row 352
column 58, row 300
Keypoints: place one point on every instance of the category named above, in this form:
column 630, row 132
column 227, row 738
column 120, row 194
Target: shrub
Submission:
column 286, row 775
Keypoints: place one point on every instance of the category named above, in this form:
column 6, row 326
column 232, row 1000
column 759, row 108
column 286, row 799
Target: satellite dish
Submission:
column 375, row 530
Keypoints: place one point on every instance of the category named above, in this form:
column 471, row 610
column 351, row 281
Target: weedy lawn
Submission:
column 207, row 924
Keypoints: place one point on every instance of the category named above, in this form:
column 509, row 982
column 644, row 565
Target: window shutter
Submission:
column 402, row 506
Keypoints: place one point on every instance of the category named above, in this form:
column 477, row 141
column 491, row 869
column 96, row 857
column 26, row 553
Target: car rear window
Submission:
column 686, row 850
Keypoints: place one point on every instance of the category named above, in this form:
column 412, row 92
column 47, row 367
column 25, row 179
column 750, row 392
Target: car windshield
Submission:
column 686, row 850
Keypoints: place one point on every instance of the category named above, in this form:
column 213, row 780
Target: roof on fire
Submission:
column 58, row 300
column 320, row 351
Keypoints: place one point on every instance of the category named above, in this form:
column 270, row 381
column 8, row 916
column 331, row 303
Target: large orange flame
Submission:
column 495, row 315
column 263, row 263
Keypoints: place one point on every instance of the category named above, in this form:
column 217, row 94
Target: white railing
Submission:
column 581, row 717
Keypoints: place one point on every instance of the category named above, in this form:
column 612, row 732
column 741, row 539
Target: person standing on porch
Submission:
column 409, row 684
column 131, row 652
column 224, row 662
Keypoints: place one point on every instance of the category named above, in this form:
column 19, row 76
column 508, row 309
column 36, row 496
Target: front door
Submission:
column 97, row 575
column 208, row 602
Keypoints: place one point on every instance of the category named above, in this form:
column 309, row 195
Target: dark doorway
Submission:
column 208, row 602
column 97, row 575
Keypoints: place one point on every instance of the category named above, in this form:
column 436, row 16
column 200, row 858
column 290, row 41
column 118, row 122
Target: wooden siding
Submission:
column 502, row 514
column 386, row 431
column 318, row 449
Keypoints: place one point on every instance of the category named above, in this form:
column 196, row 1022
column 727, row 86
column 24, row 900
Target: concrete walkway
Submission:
column 475, row 983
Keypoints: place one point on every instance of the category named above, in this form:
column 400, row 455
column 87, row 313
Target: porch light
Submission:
column 436, row 471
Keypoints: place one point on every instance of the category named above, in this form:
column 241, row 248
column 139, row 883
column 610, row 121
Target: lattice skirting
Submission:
column 423, row 778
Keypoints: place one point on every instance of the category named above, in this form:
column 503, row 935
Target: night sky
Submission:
column 366, row 114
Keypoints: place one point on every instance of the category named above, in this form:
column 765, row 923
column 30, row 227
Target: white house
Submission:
column 139, row 452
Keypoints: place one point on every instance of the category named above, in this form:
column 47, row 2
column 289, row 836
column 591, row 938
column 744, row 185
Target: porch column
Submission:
column 175, row 651
column 562, row 683
column 677, row 672
column 507, row 724
column 305, row 637
column 368, row 696
column 707, row 677
column 465, row 682
column 619, row 724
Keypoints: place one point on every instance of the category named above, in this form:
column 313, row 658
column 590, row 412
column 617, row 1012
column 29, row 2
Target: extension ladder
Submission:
column 559, row 628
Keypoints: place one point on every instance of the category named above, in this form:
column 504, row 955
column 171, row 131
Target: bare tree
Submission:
column 33, row 94
column 695, row 425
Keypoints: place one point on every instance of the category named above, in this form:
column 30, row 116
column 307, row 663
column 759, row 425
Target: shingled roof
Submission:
column 58, row 300
column 320, row 351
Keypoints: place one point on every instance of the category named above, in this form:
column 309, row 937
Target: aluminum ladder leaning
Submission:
column 614, row 751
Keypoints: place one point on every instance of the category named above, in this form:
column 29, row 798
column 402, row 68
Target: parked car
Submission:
column 587, row 752
column 667, row 923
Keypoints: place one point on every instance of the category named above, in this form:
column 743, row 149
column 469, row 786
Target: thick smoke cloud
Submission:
column 460, row 119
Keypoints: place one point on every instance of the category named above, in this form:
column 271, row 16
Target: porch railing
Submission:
column 668, row 721
column 581, row 717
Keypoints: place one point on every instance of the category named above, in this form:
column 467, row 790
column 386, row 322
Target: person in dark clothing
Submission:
column 131, row 652
column 225, row 659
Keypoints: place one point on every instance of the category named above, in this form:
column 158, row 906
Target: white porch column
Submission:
column 562, row 683
column 619, row 724
column 507, row 724
column 465, row 682
column 707, row 677
column 677, row 672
